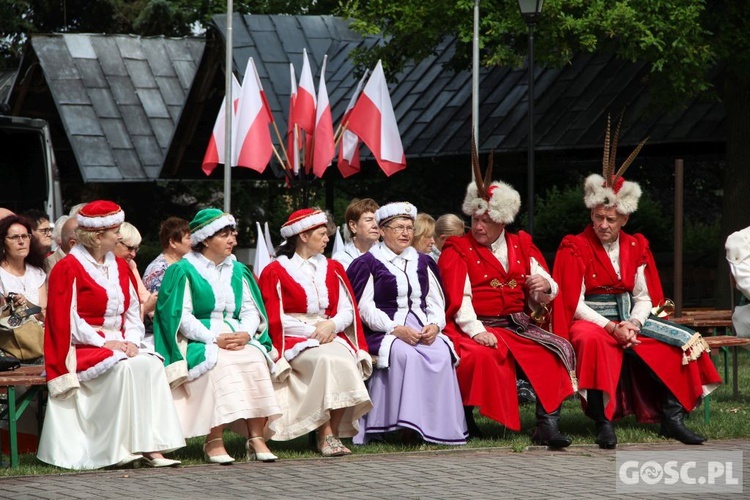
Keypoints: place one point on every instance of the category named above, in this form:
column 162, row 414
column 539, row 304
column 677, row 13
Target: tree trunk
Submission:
column 735, row 210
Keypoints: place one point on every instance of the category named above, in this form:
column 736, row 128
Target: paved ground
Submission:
column 581, row 472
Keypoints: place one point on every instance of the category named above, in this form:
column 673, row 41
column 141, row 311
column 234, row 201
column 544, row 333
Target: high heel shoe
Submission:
column 216, row 459
column 160, row 462
column 261, row 456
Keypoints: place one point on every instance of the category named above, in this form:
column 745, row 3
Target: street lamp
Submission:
column 531, row 10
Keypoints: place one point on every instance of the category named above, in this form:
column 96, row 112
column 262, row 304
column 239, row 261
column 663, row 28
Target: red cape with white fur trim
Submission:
column 276, row 280
column 69, row 278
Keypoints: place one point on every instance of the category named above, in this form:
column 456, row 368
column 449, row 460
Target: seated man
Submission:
column 491, row 279
column 738, row 256
column 629, row 361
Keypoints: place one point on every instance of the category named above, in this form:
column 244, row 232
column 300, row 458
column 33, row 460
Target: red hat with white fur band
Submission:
column 100, row 215
column 303, row 220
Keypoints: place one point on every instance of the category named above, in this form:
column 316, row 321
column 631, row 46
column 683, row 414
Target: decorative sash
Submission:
column 617, row 307
column 520, row 324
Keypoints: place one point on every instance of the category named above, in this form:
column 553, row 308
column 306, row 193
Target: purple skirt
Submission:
column 418, row 391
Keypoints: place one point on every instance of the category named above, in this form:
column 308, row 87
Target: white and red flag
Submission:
column 216, row 145
column 252, row 135
column 304, row 107
column 304, row 110
column 292, row 132
column 324, row 149
column 374, row 121
column 348, row 162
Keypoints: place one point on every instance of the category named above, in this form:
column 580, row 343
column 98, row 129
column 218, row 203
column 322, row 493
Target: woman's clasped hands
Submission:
column 129, row 348
column 233, row 341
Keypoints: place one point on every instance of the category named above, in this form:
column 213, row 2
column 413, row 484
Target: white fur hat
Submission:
column 501, row 202
column 396, row 209
column 623, row 195
column 611, row 189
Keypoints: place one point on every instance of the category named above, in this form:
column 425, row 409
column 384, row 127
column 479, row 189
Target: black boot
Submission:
column 547, row 432
column 672, row 422
column 474, row 431
column 605, row 431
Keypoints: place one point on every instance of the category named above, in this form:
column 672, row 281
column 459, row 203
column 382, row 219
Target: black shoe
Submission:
column 605, row 435
column 605, row 431
column 526, row 394
column 474, row 431
column 681, row 433
column 547, row 432
column 673, row 422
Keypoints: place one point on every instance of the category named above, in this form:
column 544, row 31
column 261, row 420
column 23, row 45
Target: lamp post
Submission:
column 531, row 10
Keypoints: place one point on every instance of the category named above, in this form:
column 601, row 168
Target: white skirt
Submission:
column 237, row 388
column 128, row 409
column 322, row 379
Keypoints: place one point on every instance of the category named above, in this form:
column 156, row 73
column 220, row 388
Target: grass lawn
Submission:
column 729, row 420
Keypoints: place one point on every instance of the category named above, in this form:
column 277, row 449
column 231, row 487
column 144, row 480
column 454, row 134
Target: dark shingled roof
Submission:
column 433, row 104
column 129, row 108
column 119, row 98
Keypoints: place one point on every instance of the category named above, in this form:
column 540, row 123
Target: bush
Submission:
column 559, row 212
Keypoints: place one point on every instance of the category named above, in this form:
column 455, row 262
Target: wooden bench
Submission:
column 25, row 376
column 708, row 323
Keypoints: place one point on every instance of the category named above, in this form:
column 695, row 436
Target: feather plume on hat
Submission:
column 611, row 189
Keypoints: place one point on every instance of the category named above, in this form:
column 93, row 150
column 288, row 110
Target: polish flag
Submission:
column 215, row 151
column 252, row 136
column 348, row 162
column 292, row 132
column 304, row 110
column 324, row 149
column 304, row 107
column 373, row 120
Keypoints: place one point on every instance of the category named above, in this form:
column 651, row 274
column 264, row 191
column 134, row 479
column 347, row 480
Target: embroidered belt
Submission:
column 523, row 326
column 617, row 307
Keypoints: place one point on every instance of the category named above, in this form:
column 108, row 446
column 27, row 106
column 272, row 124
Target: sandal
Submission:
column 261, row 456
column 216, row 459
column 332, row 447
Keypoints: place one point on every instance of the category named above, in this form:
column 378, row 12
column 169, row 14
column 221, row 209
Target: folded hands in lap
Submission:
column 324, row 331
column 129, row 348
column 233, row 341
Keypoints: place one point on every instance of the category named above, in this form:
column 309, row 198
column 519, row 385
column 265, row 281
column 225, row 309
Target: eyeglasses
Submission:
column 401, row 229
column 47, row 231
column 19, row 237
column 130, row 249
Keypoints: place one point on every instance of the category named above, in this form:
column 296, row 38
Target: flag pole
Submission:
column 475, row 82
column 228, row 102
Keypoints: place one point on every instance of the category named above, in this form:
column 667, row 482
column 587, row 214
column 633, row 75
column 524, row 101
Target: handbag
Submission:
column 21, row 334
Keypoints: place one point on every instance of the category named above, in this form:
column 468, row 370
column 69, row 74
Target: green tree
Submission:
column 20, row 18
column 683, row 41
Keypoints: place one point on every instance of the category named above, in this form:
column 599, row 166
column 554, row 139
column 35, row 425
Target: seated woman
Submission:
column 210, row 325
column 403, row 312
column 446, row 225
column 109, row 396
column 21, row 264
column 361, row 230
column 424, row 233
column 127, row 248
column 317, row 331
column 174, row 237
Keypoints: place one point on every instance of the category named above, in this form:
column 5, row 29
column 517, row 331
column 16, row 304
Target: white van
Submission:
column 28, row 171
